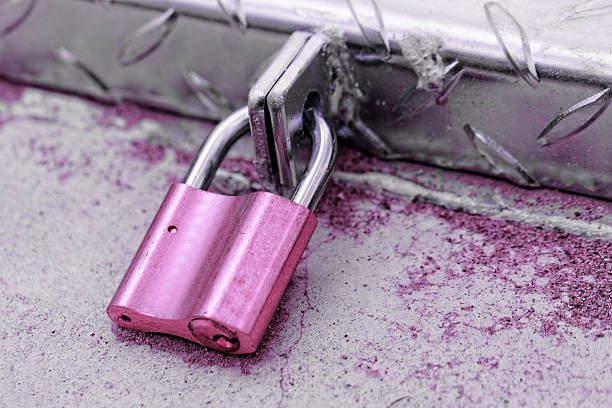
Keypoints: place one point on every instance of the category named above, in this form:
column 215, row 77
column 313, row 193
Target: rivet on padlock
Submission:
column 213, row 268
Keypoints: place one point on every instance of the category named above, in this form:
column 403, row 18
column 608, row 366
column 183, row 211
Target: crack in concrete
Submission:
column 414, row 191
column 288, row 352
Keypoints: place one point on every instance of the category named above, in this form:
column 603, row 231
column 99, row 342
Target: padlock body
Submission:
column 213, row 268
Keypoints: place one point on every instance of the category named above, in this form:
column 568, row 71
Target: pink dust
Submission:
column 10, row 92
column 147, row 152
column 49, row 154
column 580, row 302
column 366, row 365
column 131, row 113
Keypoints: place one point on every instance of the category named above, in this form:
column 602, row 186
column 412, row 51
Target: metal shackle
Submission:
column 229, row 130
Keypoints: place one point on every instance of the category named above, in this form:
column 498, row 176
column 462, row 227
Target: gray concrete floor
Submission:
column 397, row 301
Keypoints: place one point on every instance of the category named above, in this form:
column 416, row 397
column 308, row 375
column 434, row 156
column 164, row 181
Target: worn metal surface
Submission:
column 397, row 302
column 515, row 89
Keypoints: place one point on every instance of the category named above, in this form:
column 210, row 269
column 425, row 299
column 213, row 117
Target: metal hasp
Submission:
column 517, row 90
column 296, row 82
column 213, row 268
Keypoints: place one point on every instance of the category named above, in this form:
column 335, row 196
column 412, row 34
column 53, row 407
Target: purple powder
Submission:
column 10, row 92
column 366, row 365
column 147, row 152
column 580, row 302
column 49, row 154
column 338, row 209
column 583, row 303
column 131, row 113
column 183, row 157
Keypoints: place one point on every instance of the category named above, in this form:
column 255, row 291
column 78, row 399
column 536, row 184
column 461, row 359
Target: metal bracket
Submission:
column 516, row 92
column 297, row 76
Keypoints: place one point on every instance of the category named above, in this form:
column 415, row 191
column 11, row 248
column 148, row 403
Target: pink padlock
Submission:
column 213, row 268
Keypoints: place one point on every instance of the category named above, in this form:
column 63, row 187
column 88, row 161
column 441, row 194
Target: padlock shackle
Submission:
column 230, row 129
column 215, row 147
column 321, row 163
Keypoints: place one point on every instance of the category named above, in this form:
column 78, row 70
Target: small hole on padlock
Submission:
column 125, row 318
column 172, row 229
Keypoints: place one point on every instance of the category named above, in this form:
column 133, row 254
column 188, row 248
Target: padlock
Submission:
column 212, row 268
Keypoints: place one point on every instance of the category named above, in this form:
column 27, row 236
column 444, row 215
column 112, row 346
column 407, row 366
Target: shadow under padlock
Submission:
column 213, row 268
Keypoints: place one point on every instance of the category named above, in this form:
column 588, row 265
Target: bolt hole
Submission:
column 172, row 229
column 125, row 318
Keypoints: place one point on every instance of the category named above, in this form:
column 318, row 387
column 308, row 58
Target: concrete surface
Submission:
column 397, row 302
